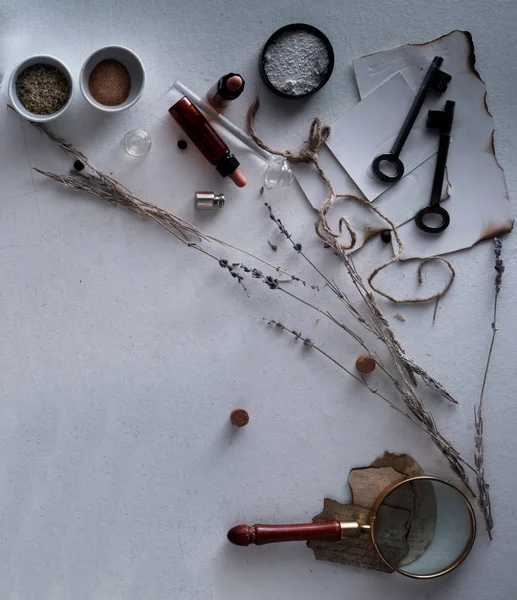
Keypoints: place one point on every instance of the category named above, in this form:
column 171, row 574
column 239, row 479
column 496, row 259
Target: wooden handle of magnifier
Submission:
column 325, row 531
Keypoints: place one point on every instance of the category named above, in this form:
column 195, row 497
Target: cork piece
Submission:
column 366, row 484
column 365, row 364
column 239, row 417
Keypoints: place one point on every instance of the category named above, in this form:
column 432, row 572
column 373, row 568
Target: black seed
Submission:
column 386, row 236
column 182, row 144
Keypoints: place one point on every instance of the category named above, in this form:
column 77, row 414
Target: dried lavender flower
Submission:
column 498, row 266
column 297, row 246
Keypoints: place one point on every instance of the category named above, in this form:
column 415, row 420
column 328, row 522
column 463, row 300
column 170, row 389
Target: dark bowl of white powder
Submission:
column 297, row 60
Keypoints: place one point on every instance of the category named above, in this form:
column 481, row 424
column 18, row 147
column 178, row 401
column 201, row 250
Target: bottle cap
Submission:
column 227, row 165
column 229, row 94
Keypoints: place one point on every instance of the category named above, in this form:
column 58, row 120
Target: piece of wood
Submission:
column 239, row 417
column 366, row 485
column 365, row 364
column 244, row 535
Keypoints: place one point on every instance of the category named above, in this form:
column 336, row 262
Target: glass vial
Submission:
column 136, row 142
column 208, row 141
column 228, row 88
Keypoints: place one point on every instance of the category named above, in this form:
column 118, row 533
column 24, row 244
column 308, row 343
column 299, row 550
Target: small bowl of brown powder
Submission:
column 41, row 88
column 112, row 78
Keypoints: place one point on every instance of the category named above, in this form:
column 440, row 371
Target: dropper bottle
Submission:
column 204, row 136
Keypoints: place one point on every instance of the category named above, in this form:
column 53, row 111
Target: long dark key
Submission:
column 441, row 120
column 435, row 79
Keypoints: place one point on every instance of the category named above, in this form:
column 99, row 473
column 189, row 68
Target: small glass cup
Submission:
column 136, row 142
column 278, row 174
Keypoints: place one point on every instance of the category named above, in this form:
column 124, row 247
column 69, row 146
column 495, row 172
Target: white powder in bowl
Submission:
column 296, row 62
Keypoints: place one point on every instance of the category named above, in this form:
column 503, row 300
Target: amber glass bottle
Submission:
column 204, row 136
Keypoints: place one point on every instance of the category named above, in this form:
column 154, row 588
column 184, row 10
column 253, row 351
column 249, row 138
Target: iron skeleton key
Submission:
column 435, row 79
column 441, row 120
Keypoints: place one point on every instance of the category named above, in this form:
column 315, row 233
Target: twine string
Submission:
column 318, row 135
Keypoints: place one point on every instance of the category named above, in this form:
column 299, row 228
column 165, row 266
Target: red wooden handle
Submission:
column 325, row 531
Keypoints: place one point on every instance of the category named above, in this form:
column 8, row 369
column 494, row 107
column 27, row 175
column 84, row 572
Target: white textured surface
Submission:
column 123, row 353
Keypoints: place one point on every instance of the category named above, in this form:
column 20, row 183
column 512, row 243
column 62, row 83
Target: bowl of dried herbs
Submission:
column 41, row 88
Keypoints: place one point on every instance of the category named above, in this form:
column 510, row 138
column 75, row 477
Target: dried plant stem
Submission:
column 297, row 335
column 489, row 358
column 328, row 315
column 484, row 502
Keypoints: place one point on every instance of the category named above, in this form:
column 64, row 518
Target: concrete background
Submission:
column 122, row 353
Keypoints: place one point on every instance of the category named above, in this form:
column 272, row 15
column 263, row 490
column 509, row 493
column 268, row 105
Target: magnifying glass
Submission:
column 422, row 527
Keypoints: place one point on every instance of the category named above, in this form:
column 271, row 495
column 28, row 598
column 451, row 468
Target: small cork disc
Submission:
column 365, row 364
column 239, row 417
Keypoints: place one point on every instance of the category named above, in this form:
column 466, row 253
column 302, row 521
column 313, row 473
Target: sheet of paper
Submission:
column 370, row 128
column 479, row 205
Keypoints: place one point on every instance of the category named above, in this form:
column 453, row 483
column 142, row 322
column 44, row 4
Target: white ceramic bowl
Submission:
column 38, row 60
column 132, row 63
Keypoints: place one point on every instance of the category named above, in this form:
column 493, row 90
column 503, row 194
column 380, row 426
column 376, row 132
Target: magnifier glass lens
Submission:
column 423, row 527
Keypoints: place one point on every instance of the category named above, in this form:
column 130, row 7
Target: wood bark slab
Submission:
column 366, row 484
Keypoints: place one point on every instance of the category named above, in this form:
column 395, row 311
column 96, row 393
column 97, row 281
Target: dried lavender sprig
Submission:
column 291, row 276
column 233, row 270
column 307, row 342
column 479, row 456
column 296, row 245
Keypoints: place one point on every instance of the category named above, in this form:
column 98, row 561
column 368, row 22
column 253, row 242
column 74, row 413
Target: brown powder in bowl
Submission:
column 109, row 82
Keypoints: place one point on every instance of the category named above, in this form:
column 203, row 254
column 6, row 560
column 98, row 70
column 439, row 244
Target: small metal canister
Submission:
column 208, row 200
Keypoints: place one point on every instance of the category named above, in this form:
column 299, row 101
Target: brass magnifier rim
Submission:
column 461, row 557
